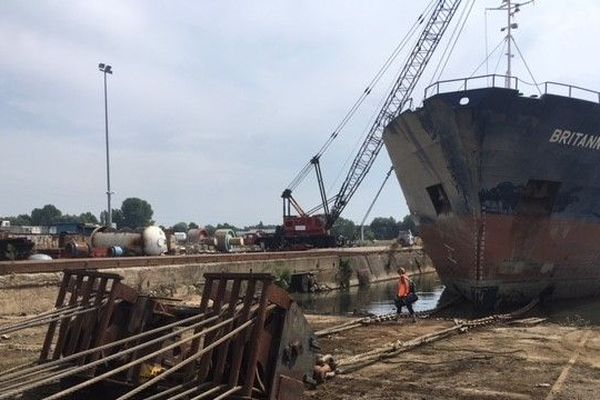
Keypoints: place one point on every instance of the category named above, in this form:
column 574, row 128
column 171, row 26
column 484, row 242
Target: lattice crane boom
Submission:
column 398, row 97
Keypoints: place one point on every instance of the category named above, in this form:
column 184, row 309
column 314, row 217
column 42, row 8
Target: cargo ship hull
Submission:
column 505, row 190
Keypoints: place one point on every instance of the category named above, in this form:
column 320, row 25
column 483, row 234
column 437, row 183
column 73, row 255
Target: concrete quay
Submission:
column 28, row 288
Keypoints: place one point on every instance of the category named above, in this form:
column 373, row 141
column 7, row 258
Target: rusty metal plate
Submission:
column 289, row 388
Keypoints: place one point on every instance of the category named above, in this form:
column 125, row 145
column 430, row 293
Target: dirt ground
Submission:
column 20, row 347
column 546, row 361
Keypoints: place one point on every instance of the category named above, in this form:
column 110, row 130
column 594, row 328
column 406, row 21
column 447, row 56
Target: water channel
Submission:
column 378, row 299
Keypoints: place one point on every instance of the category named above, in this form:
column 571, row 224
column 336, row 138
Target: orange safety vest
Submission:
column 403, row 286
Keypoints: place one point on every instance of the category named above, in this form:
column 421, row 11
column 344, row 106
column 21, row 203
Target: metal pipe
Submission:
column 119, row 354
column 175, row 388
column 138, row 361
column 25, row 322
column 226, row 394
column 48, row 376
column 216, row 389
column 47, row 319
column 18, row 367
column 184, row 362
column 119, row 342
column 196, row 389
column 26, row 374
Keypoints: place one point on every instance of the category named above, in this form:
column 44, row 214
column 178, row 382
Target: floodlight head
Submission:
column 101, row 66
column 108, row 69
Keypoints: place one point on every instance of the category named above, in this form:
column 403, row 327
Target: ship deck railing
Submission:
column 511, row 82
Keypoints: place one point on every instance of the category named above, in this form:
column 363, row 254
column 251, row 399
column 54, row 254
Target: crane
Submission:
column 313, row 230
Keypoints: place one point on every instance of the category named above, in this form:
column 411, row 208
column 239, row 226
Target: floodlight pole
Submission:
column 107, row 69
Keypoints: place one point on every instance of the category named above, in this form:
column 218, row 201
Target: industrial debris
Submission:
column 153, row 241
column 246, row 337
column 89, row 240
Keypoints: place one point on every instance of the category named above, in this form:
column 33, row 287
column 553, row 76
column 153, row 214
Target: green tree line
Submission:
column 380, row 228
column 134, row 213
column 50, row 215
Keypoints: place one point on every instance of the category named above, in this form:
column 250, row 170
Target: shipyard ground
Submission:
column 545, row 361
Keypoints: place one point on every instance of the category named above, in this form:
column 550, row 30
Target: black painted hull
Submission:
column 505, row 190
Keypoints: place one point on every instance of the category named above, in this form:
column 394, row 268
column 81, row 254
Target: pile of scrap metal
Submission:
column 199, row 240
column 14, row 248
column 153, row 241
column 245, row 339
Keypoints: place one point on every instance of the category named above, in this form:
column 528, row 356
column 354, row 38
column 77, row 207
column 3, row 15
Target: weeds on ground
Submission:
column 578, row 321
column 283, row 278
column 345, row 273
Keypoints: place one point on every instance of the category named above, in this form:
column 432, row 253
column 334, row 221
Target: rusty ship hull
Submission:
column 505, row 190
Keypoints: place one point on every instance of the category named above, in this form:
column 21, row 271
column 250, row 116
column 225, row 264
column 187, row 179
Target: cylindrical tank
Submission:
column 77, row 249
column 226, row 239
column 40, row 257
column 132, row 241
column 116, row 251
column 251, row 239
column 155, row 241
column 197, row 235
column 152, row 241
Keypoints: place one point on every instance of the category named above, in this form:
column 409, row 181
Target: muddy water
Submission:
column 378, row 298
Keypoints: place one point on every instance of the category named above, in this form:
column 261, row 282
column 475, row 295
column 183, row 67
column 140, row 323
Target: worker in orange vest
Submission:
column 405, row 295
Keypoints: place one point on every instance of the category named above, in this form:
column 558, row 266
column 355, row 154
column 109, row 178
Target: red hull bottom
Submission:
column 500, row 260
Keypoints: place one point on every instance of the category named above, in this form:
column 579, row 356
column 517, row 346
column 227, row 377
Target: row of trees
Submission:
column 183, row 227
column 380, row 228
column 50, row 215
column 135, row 213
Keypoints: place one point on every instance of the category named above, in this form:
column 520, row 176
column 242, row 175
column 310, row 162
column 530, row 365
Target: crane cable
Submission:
column 361, row 138
column 362, row 223
column 383, row 69
column 377, row 77
column 456, row 33
column 454, row 39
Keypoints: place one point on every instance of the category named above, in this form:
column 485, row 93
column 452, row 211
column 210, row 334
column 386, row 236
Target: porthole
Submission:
column 463, row 101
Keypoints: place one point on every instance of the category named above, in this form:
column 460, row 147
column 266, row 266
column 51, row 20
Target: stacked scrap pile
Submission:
column 246, row 338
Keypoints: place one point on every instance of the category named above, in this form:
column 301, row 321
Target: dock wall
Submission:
column 36, row 292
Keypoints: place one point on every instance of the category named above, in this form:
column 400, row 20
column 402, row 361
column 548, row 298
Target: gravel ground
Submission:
column 545, row 361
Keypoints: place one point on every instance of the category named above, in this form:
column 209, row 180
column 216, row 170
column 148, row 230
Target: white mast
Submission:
column 511, row 9
column 509, row 41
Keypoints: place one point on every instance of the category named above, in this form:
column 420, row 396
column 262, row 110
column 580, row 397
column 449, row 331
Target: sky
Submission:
column 214, row 106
